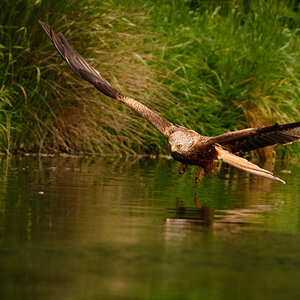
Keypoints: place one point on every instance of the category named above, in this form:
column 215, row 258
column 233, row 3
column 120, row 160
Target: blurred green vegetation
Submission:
column 212, row 66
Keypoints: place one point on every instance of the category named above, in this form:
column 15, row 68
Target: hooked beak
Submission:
column 173, row 149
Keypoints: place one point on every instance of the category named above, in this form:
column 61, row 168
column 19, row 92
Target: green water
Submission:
column 100, row 228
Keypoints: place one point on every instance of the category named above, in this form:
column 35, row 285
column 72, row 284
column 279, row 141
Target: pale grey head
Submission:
column 181, row 141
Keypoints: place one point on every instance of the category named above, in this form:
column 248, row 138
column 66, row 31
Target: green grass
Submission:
column 212, row 67
column 244, row 60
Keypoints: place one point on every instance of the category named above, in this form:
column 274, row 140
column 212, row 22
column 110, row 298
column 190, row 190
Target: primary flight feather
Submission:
column 187, row 146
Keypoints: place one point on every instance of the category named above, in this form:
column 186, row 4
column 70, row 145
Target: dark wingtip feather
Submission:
column 77, row 63
column 53, row 37
column 47, row 28
column 279, row 127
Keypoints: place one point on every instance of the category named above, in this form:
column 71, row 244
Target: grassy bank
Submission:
column 45, row 107
column 212, row 67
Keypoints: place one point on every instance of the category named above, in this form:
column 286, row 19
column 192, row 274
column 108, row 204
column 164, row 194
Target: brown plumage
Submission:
column 187, row 146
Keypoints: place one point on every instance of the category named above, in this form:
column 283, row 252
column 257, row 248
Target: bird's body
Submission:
column 187, row 146
column 191, row 148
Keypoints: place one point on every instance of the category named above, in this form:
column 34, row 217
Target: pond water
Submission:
column 101, row 228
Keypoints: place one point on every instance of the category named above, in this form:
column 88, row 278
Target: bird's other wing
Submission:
column 243, row 164
column 85, row 71
column 255, row 138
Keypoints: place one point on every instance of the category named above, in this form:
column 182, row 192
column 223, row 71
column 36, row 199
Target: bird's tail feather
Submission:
column 243, row 164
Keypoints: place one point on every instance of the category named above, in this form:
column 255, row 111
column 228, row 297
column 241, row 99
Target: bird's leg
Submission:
column 197, row 201
column 199, row 175
column 181, row 169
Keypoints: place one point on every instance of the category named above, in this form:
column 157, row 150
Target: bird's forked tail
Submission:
column 243, row 164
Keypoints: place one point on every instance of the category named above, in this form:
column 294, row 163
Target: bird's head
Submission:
column 180, row 142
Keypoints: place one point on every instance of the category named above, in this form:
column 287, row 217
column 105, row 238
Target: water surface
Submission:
column 101, row 228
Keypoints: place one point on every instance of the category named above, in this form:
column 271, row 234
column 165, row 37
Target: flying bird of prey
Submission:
column 187, row 146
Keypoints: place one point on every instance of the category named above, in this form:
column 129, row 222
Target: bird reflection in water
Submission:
column 189, row 216
column 200, row 217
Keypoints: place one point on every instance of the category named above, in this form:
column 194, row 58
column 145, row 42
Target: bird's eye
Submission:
column 179, row 146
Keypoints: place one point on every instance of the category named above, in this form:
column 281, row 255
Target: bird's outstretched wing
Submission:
column 243, row 164
column 85, row 71
column 255, row 138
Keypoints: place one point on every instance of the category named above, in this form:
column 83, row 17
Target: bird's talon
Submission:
column 181, row 169
column 199, row 175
